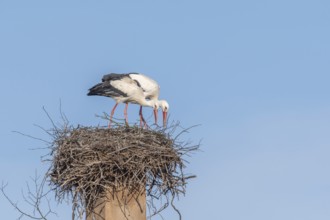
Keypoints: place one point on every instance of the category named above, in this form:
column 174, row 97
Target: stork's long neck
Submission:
column 149, row 103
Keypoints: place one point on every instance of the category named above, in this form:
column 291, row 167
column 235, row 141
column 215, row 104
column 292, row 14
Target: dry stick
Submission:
column 33, row 199
column 29, row 136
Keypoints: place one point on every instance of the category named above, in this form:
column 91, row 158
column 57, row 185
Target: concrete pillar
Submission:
column 113, row 210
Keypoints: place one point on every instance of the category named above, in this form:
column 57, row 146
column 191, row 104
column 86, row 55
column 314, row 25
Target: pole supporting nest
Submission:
column 108, row 208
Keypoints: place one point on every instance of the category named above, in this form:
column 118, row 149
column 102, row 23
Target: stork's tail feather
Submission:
column 96, row 90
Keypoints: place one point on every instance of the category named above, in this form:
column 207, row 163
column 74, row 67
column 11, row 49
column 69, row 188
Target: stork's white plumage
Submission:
column 131, row 88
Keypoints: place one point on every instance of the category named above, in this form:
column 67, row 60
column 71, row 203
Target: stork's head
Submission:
column 165, row 107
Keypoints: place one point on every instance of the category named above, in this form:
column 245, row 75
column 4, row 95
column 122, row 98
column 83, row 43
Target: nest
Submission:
column 89, row 162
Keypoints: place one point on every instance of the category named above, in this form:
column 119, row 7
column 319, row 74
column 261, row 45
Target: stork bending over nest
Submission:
column 131, row 88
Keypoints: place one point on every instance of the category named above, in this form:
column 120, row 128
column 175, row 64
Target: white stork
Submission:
column 151, row 92
column 134, row 88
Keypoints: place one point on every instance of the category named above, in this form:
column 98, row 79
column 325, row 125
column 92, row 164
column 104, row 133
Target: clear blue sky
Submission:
column 254, row 73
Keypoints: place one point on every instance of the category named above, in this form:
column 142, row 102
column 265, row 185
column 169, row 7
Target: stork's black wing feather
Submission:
column 105, row 89
column 113, row 76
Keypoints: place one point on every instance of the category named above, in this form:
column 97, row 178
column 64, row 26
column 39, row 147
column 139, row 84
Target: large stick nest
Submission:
column 89, row 162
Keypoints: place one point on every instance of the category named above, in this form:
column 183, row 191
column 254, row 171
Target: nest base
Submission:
column 92, row 165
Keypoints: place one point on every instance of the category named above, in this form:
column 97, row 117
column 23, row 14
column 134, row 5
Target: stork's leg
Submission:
column 141, row 117
column 142, row 121
column 111, row 115
column 156, row 115
column 125, row 114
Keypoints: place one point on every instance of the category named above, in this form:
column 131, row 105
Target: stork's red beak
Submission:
column 156, row 115
column 164, row 118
